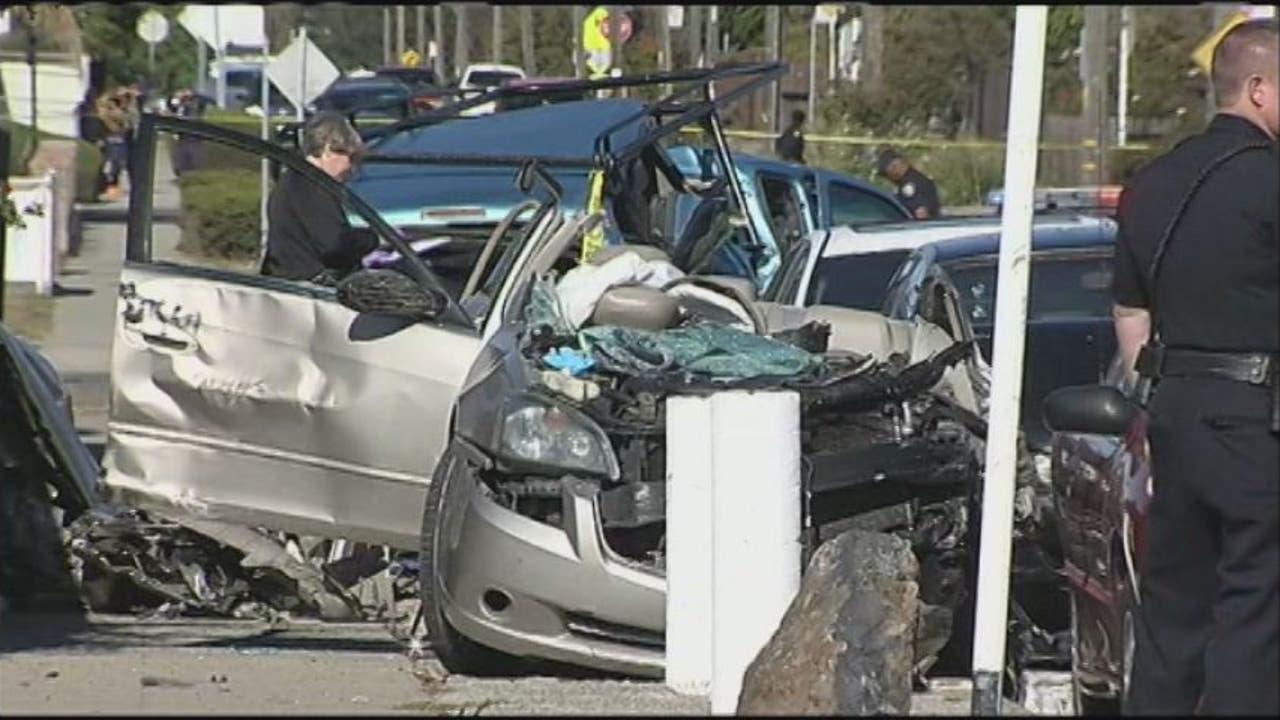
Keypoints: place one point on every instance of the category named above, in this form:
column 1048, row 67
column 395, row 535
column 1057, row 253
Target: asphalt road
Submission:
column 123, row 665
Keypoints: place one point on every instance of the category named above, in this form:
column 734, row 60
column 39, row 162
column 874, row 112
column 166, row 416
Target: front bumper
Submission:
column 530, row 589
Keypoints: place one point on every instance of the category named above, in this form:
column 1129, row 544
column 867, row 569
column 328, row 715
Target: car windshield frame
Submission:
column 675, row 111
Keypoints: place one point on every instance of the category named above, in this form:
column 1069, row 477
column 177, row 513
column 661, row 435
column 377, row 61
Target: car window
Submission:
column 1072, row 286
column 851, row 206
column 854, row 281
column 782, row 208
column 792, row 271
column 490, row 78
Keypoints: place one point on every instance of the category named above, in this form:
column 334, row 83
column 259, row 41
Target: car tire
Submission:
column 1092, row 705
column 458, row 654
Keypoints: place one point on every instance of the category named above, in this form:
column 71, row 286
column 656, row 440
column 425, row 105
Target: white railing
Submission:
column 30, row 252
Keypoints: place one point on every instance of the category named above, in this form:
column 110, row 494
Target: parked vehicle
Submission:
column 1095, row 199
column 550, row 90
column 783, row 201
column 359, row 98
column 1070, row 337
column 395, row 410
column 483, row 77
column 1101, row 479
column 426, row 90
column 852, row 266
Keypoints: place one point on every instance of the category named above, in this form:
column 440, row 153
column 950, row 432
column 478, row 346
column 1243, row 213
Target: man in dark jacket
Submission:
column 309, row 237
column 790, row 144
column 1197, row 312
column 915, row 190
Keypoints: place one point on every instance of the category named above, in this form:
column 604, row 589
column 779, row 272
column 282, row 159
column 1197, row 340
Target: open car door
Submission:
column 257, row 400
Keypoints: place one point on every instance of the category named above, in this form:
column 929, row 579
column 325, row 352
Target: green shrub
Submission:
column 89, row 179
column 221, row 213
column 89, row 159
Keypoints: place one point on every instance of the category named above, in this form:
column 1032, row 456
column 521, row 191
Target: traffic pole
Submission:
column 995, row 549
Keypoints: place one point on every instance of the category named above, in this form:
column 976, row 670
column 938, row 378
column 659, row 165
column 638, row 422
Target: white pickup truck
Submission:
column 483, row 77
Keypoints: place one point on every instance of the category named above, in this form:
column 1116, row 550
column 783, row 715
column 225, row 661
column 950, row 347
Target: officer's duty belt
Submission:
column 1252, row 368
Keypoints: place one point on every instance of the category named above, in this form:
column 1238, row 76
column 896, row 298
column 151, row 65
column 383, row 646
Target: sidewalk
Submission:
column 84, row 305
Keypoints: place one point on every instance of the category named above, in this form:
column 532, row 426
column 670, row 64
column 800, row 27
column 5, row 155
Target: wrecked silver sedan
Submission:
column 508, row 423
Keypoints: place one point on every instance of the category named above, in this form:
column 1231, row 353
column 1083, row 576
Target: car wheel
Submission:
column 455, row 651
column 1088, row 704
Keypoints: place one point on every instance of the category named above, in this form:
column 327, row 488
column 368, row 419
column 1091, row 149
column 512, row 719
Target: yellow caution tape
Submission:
column 911, row 142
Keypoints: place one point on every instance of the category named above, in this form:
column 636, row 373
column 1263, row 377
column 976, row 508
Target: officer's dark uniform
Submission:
column 916, row 191
column 790, row 145
column 1212, row 547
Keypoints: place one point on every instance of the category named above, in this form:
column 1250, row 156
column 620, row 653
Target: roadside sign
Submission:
column 828, row 14
column 624, row 27
column 675, row 16
column 1203, row 54
column 410, row 58
column 152, row 27
column 302, row 71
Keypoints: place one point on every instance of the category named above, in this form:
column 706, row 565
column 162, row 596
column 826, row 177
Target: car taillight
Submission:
column 1109, row 197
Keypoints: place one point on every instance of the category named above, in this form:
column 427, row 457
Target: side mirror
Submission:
column 388, row 292
column 1092, row 409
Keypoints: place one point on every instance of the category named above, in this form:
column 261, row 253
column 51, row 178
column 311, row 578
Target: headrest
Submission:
column 639, row 307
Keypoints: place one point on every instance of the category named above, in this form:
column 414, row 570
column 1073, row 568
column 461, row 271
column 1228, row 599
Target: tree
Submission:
column 109, row 35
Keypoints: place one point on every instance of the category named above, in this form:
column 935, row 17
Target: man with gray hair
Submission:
column 309, row 237
column 1197, row 313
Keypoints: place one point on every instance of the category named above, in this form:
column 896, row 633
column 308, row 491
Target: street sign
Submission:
column 1203, row 54
column 225, row 25
column 675, row 16
column 301, row 71
column 410, row 58
column 152, row 27
column 624, row 27
column 826, row 14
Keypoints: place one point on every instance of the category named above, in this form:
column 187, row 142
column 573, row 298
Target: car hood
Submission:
column 406, row 195
column 38, row 430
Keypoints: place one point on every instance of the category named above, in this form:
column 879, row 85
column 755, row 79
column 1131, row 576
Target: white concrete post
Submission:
column 733, row 534
column 266, row 137
column 689, row 472
column 991, row 617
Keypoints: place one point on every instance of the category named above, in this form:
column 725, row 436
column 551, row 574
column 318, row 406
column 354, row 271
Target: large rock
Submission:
column 845, row 645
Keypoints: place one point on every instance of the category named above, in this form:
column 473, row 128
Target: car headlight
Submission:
column 541, row 432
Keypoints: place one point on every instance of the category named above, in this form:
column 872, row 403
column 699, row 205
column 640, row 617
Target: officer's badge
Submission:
column 908, row 190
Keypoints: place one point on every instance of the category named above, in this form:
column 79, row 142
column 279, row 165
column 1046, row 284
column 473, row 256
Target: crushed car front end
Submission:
column 545, row 535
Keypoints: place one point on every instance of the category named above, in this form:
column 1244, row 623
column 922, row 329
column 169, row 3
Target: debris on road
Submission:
column 126, row 561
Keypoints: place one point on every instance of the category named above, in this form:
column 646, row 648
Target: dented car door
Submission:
column 261, row 401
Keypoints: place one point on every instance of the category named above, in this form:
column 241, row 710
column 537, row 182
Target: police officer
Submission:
column 1197, row 293
column 915, row 190
column 790, row 144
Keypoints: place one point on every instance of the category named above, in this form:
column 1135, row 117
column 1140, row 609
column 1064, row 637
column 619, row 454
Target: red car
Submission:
column 1101, row 483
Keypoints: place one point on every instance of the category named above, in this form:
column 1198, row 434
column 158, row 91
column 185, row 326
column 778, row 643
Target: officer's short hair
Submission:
column 1249, row 48
column 332, row 131
column 797, row 117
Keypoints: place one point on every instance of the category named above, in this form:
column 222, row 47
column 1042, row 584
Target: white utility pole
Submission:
column 991, row 616
column 300, row 111
column 1122, row 93
column 266, row 137
column 400, row 42
column 495, row 52
column 220, row 56
column 813, row 64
